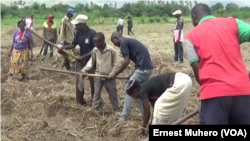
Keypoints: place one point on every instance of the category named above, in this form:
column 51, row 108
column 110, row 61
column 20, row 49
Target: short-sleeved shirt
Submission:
column 156, row 86
column 137, row 52
column 215, row 42
column 21, row 44
column 179, row 24
column 85, row 41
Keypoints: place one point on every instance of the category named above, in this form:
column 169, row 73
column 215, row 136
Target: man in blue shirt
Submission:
column 84, row 38
column 134, row 50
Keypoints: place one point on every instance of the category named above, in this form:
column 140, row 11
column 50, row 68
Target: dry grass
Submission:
column 46, row 109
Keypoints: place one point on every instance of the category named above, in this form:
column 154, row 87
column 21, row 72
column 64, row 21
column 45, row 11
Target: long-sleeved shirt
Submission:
column 120, row 22
column 130, row 23
column 51, row 34
column 105, row 62
column 66, row 30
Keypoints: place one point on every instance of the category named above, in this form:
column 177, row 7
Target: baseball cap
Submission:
column 177, row 12
column 80, row 19
column 50, row 16
column 71, row 11
column 131, row 86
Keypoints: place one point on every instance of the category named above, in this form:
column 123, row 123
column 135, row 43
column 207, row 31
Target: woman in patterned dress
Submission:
column 19, row 52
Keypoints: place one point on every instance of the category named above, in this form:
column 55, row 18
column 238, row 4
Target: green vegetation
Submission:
column 142, row 11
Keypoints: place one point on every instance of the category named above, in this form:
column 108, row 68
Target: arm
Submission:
column 44, row 32
column 181, row 28
column 81, row 58
column 114, row 62
column 31, row 47
column 193, row 58
column 243, row 31
column 146, row 116
column 153, row 105
column 56, row 36
column 12, row 46
column 124, row 65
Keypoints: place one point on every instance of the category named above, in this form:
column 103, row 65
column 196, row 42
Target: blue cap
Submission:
column 71, row 11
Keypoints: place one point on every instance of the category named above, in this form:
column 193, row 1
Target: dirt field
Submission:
column 46, row 109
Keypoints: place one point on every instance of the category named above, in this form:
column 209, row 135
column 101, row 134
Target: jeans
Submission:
column 178, row 48
column 46, row 46
column 142, row 76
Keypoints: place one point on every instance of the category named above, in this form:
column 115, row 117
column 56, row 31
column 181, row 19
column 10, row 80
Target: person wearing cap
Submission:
column 167, row 93
column 66, row 35
column 85, row 39
column 132, row 49
column 178, row 29
column 213, row 50
column 49, row 33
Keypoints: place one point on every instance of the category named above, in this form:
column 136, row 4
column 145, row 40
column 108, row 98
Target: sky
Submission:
column 241, row 3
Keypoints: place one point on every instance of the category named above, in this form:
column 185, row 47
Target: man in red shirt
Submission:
column 213, row 49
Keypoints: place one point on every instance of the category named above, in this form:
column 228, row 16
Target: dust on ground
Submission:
column 46, row 109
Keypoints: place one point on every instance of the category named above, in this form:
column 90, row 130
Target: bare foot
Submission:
column 9, row 79
column 120, row 120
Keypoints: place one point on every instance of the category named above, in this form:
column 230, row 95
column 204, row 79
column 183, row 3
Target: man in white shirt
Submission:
column 120, row 25
column 29, row 24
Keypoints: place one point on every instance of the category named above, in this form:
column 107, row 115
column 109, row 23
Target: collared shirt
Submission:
column 50, row 35
column 106, row 61
column 120, row 22
column 85, row 41
column 179, row 24
column 215, row 42
column 66, row 30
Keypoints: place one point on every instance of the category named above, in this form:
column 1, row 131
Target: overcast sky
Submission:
column 121, row 2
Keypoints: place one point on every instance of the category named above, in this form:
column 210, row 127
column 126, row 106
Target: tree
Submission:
column 195, row 2
column 21, row 3
column 232, row 7
column 217, row 6
column 4, row 10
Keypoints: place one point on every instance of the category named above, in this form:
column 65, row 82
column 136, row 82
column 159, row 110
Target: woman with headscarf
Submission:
column 19, row 52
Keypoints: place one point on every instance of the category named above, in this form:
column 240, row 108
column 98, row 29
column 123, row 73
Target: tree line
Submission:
column 157, row 8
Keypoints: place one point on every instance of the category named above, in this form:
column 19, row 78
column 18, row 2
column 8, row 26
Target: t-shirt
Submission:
column 156, row 86
column 85, row 41
column 21, row 44
column 215, row 42
column 130, row 23
column 137, row 52
column 29, row 23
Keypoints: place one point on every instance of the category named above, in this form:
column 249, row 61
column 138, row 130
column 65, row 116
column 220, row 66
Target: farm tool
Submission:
column 52, row 44
column 76, row 73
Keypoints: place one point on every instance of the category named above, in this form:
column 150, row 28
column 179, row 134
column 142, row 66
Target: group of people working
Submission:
column 213, row 50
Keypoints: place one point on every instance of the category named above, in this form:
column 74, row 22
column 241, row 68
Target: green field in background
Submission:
column 136, row 20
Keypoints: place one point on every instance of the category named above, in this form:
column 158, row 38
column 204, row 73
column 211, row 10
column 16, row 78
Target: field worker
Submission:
column 85, row 39
column 130, row 25
column 167, row 93
column 66, row 35
column 132, row 49
column 49, row 33
column 120, row 25
column 29, row 24
column 178, row 47
column 104, row 58
column 213, row 49
column 19, row 52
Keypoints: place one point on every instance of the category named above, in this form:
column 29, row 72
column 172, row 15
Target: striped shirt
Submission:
column 66, row 30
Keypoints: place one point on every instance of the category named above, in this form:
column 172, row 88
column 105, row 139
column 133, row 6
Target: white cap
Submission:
column 177, row 12
column 80, row 19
